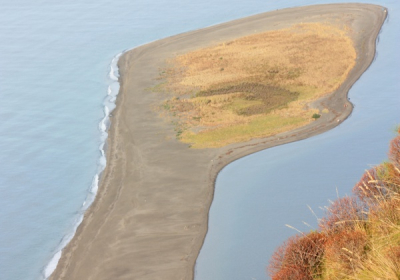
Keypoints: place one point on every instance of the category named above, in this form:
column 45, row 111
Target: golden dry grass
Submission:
column 380, row 256
column 292, row 67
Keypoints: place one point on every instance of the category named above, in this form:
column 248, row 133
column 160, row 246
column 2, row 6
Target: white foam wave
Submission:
column 109, row 105
column 95, row 184
column 52, row 264
column 114, row 68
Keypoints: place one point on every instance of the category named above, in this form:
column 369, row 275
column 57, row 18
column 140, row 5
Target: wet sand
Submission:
column 150, row 215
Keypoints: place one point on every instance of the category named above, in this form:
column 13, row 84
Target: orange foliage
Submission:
column 343, row 213
column 299, row 258
column 394, row 152
column 369, row 188
column 292, row 273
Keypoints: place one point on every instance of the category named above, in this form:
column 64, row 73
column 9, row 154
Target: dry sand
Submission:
column 150, row 215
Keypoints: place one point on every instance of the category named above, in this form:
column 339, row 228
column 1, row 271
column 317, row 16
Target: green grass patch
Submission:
column 260, row 127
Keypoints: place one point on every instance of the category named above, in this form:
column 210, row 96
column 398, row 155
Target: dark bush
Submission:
column 316, row 116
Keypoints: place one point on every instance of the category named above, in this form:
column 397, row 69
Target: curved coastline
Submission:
column 120, row 235
column 104, row 125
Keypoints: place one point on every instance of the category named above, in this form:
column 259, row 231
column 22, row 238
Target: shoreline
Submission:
column 131, row 222
column 104, row 125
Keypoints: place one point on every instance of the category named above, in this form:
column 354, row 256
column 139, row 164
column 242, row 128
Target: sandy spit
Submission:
column 149, row 218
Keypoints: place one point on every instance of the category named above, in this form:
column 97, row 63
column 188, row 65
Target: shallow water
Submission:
column 54, row 76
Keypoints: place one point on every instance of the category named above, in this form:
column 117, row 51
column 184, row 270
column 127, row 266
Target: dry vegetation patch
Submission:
column 361, row 234
column 260, row 78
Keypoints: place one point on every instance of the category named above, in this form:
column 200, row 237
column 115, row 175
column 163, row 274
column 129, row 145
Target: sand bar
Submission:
column 150, row 215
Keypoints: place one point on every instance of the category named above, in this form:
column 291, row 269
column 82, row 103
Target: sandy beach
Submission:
column 150, row 216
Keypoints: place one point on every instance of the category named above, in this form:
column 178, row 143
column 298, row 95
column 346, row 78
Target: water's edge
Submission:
column 109, row 104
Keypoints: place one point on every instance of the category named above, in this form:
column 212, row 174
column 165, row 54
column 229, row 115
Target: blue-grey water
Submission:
column 56, row 86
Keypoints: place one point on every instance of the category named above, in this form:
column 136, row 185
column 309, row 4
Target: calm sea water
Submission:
column 55, row 81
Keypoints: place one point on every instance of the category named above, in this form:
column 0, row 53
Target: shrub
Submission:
column 299, row 258
column 394, row 151
column 291, row 273
column 369, row 189
column 343, row 213
column 316, row 116
column 378, row 184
